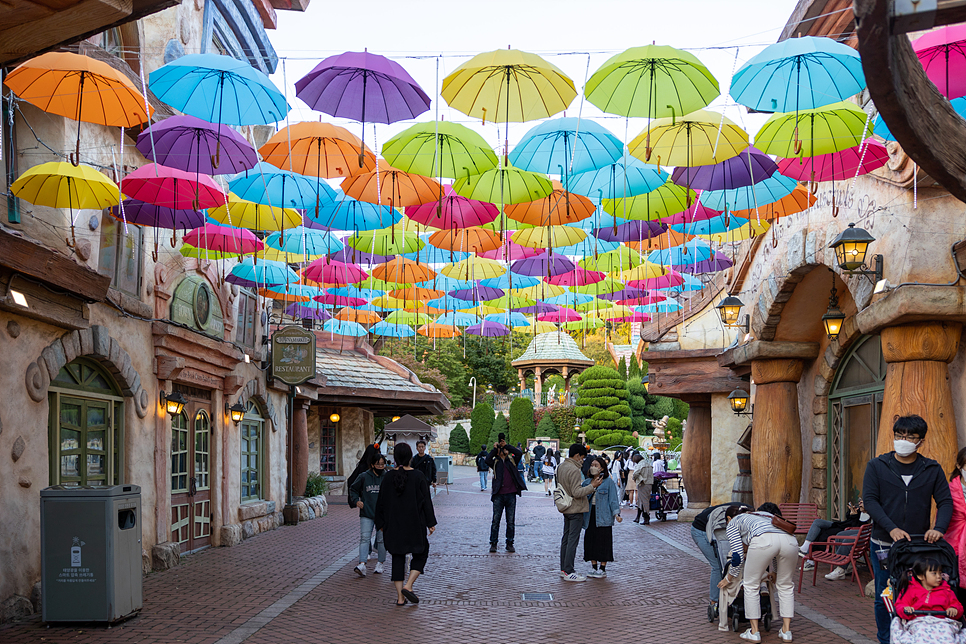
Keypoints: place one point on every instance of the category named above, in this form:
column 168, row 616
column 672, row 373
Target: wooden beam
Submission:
column 291, row 5
column 695, row 372
column 919, row 117
column 918, row 15
column 40, row 303
column 743, row 354
column 26, row 256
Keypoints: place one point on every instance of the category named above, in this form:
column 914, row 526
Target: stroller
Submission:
column 902, row 555
column 663, row 500
column 734, row 601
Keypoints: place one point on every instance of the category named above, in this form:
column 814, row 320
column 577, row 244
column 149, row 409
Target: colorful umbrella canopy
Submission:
column 565, row 146
column 719, row 224
column 557, row 209
column 560, row 315
column 510, row 280
column 248, row 214
column 621, row 259
column 837, row 166
column 473, row 268
column 329, row 271
column 416, row 294
column 341, row 327
column 538, row 308
column 510, row 251
column 455, row 318
column 346, row 213
column 360, row 316
column 477, row 293
column 823, row 130
column 354, row 256
column 407, row 317
column 631, row 231
column 390, row 330
column 507, row 185
column 140, row 213
column 583, row 325
column 172, row 188
column 437, row 330
column 657, row 204
column 942, row 53
column 332, row 299
column 772, row 189
column 695, row 250
column 307, row 312
column 263, row 273
column 471, row 240
column 625, row 178
column 542, row 264
column 798, row 74
column 402, row 271
column 697, row 212
column 607, row 285
column 539, row 291
column 549, row 236
column 668, row 306
column 188, row 143
column 588, row 246
column 385, row 242
column 434, row 255
column 750, row 166
column 439, row 149
column 286, row 292
column 511, row 319
column 318, row 150
column 224, row 239
column 800, row 199
column 698, row 138
column 651, row 82
column 488, row 329
column 577, row 277
column 453, row 211
column 392, row 186
column 305, row 241
column 718, row 261
column 266, row 184
column 669, row 278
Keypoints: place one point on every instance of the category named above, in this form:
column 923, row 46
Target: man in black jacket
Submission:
column 898, row 490
column 425, row 463
column 508, row 484
column 482, row 468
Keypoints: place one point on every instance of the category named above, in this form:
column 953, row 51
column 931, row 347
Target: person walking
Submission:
column 363, row 494
column 569, row 482
column 765, row 542
column 644, row 476
column 898, row 490
column 659, row 465
column 605, row 507
column 424, row 463
column 616, row 470
column 539, row 451
column 508, row 484
column 548, row 469
column 404, row 513
column 482, row 467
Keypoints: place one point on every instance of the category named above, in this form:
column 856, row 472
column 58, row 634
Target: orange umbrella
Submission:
column 317, row 150
column 559, row 208
column 79, row 88
column 466, row 240
column 394, row 187
column 403, row 271
column 433, row 330
column 416, row 294
column 799, row 200
column 285, row 297
column 665, row 240
column 360, row 316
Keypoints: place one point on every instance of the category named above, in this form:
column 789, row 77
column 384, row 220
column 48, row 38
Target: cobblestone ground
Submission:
column 296, row 585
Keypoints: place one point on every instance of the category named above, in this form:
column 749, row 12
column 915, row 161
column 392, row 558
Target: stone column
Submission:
column 776, row 439
column 696, row 455
column 537, row 386
column 917, row 382
column 300, row 447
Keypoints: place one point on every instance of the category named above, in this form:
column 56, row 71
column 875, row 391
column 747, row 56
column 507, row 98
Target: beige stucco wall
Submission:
column 704, row 329
column 726, row 429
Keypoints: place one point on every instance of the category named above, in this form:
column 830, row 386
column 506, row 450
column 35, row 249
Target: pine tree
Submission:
column 622, row 368
column 634, row 369
column 500, row 426
column 481, row 422
column 459, row 442
column 637, row 399
column 546, row 428
column 602, row 406
column 521, row 421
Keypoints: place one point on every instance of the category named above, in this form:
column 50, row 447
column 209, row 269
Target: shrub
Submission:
column 500, row 425
column 481, row 422
column 634, row 369
column 637, row 401
column 316, row 485
column 601, row 402
column 459, row 442
column 546, row 427
column 521, row 421
column 622, row 368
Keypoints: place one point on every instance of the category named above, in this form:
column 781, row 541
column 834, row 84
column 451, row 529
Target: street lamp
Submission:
column 173, row 403
column 335, row 417
column 833, row 318
column 850, row 248
column 236, row 411
column 738, row 399
column 729, row 309
column 472, row 383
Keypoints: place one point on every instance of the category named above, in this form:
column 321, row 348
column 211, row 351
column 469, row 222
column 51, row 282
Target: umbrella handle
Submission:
column 154, row 255
column 216, row 157
column 74, row 157
column 797, row 143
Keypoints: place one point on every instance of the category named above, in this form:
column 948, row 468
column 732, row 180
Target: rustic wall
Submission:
column 726, row 429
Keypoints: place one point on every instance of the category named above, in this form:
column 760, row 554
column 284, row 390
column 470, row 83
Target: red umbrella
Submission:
column 224, row 239
column 172, row 188
column 561, row 315
column 329, row 271
column 453, row 211
column 837, row 166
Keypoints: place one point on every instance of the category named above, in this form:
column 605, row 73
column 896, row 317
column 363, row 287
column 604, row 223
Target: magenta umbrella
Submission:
column 670, row 279
column 543, row 264
column 330, row 271
column 510, row 252
column 838, row 165
column 650, row 298
column 453, row 211
column 697, row 212
column 224, row 239
column 577, row 277
column 172, row 188
column 188, row 143
column 488, row 329
column 636, row 317
column 563, row 314
column 943, row 55
column 339, row 300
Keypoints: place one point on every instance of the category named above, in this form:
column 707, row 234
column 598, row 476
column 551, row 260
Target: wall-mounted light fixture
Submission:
column 173, row 403
column 335, row 418
column 738, row 399
column 850, row 248
column 833, row 318
column 730, row 309
column 236, row 411
column 395, row 418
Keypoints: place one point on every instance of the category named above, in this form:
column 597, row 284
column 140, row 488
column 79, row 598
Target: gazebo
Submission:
column 553, row 352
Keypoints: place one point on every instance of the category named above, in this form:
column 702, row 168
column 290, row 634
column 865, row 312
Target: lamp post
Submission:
column 730, row 309
column 472, row 384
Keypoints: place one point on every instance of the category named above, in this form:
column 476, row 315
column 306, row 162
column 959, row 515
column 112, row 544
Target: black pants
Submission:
column 399, row 564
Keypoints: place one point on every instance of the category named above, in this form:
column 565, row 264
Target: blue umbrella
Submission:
column 296, row 290
column 569, row 299
column 456, row 318
column 392, row 330
column 799, row 74
column 617, row 180
column 718, row 224
column 449, row 303
column 342, row 327
column 667, row 306
column 442, row 283
column 548, row 147
column 764, row 192
column 346, row 213
column 503, row 281
column 691, row 283
column 268, row 185
column 353, row 291
column 512, row 320
column 588, row 246
column 265, row 273
column 695, row 250
column 305, row 241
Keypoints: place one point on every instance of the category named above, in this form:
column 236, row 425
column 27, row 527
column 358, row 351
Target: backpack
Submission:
column 561, row 499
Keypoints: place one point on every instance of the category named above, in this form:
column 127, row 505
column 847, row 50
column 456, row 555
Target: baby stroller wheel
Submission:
column 766, row 622
column 735, row 622
column 661, row 516
column 711, row 612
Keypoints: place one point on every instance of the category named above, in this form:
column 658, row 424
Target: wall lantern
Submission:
column 335, row 418
column 395, row 418
column 644, row 381
column 850, row 248
column 729, row 309
column 236, row 411
column 173, row 403
column 738, row 399
column 833, row 318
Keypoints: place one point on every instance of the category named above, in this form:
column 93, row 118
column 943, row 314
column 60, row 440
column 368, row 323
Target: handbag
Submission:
column 784, row 525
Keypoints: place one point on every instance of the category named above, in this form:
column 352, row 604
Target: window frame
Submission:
column 252, row 419
column 120, row 243
column 326, row 424
column 247, row 300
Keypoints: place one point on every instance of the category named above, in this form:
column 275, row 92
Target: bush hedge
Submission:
column 602, row 407
column 481, row 422
column 500, row 426
column 522, row 426
column 459, row 442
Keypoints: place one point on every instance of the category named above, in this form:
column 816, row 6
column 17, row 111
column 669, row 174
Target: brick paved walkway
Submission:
column 296, row 585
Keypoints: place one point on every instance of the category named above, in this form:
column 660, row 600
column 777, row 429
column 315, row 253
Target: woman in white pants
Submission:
column 765, row 543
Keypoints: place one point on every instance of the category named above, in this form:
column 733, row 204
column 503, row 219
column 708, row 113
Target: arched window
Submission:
column 86, row 426
column 252, row 453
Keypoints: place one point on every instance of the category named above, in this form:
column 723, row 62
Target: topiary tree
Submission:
column 637, row 400
column 602, row 407
column 521, row 421
column 681, row 409
column 622, row 368
column 459, row 442
column 634, row 369
column 500, row 425
column 546, row 428
column 481, row 422
column 658, row 407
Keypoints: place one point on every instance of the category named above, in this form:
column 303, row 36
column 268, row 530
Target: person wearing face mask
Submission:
column 605, row 508
column 956, row 535
column 363, row 494
column 898, row 490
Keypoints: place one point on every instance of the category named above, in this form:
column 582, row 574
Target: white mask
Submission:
column 904, row 447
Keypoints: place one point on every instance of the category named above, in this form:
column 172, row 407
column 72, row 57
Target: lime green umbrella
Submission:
column 407, row 317
column 439, row 149
column 549, row 236
column 504, row 186
column 824, row 130
column 502, row 223
column 593, row 305
column 187, row 250
column 620, row 259
column 510, row 302
column 385, row 242
column 585, row 324
column 667, row 200
column 473, row 268
column 603, row 287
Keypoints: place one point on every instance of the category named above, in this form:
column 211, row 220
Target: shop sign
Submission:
column 293, row 355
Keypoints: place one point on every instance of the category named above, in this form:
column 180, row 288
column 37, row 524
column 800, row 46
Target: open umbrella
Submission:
column 560, row 315
column 823, row 130
column 329, row 271
column 942, row 53
column 318, row 150
column 268, row 185
column 698, row 138
column 507, row 185
column 558, row 208
column 543, row 264
column 307, row 312
column 767, row 191
column 510, row 280
column 473, row 268
column 188, row 143
column 511, row 251
column 837, row 166
column 262, row 274
column 800, row 199
column 488, row 329
column 750, row 166
column 566, row 146
column 539, row 291
column 634, row 230
column 471, row 240
column 588, row 246
column 576, row 277
column 388, row 329
column 549, row 236
column 149, row 215
column 223, row 239
column 172, row 188
column 353, row 256
column 622, row 179
column 453, row 211
column 305, row 241
column 433, row 255
column 621, row 259
column 255, row 216
column 385, row 242
column 392, row 186
column 346, row 213
column 657, row 204
column 341, row 327
column 439, row 149
column 437, row 330
column 477, row 293
column 359, row 315
column 403, row 271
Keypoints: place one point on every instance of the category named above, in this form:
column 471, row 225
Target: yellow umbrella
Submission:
column 689, row 140
column 277, row 255
column 542, row 327
column 645, row 271
column 473, row 268
column 667, row 200
column 482, row 309
column 254, row 216
column 611, row 312
column 540, row 291
column 752, row 229
column 549, row 236
column 584, row 325
column 388, row 302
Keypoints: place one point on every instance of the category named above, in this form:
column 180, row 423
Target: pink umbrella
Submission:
column 224, row 239
column 511, row 252
column 943, row 55
column 329, row 271
column 172, row 188
column 637, row 317
column 697, row 212
column 671, row 279
column 838, row 165
column 563, row 314
column 339, row 300
column 652, row 298
column 453, row 212
column 577, row 277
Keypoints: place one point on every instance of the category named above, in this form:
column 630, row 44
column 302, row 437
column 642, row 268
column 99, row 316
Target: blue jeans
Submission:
column 483, row 479
column 365, row 537
column 882, row 619
column 701, row 541
column 501, row 502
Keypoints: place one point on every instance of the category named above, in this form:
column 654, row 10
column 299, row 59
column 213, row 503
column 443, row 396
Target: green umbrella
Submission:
column 510, row 302
column 620, row 259
column 593, row 305
column 603, row 287
column 407, row 317
column 667, row 200
column 584, row 325
column 439, row 149
column 824, row 130
column 385, row 242
column 504, row 186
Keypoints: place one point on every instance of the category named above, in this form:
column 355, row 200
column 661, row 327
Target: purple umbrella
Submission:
column 626, row 293
column 540, row 308
column 749, row 167
column 350, row 255
column 717, row 262
column 306, row 312
column 147, row 214
column 477, row 293
column 187, row 143
column 631, row 231
column 488, row 329
column 543, row 264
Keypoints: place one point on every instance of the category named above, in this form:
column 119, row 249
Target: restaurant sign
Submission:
column 293, row 355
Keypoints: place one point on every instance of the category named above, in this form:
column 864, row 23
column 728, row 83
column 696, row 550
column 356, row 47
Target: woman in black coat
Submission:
column 404, row 512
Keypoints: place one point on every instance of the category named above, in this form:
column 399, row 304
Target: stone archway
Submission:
column 95, row 343
column 255, row 390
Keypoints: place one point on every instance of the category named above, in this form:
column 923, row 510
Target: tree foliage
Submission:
column 481, row 422
column 546, row 427
column 602, row 407
column 500, row 426
column 681, row 409
column 521, row 421
column 622, row 368
column 658, row 407
column 459, row 442
column 637, row 399
column 674, row 433
column 634, row 368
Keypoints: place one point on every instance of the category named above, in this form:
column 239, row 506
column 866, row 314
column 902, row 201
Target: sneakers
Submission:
column 510, row 548
column 785, row 636
column 809, row 565
column 360, row 570
column 751, row 637
column 574, row 577
column 373, row 555
column 837, row 574
column 492, row 548
column 723, row 628
column 597, row 574
column 562, row 574
column 378, row 569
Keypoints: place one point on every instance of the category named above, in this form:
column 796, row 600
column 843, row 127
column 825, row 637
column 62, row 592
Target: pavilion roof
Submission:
column 555, row 347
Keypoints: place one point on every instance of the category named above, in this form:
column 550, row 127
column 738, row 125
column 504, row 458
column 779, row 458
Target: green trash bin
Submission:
column 90, row 548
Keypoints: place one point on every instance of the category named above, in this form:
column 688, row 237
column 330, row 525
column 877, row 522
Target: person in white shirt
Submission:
column 659, row 464
column 548, row 470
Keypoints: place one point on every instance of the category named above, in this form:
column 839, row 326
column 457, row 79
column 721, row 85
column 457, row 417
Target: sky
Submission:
column 430, row 38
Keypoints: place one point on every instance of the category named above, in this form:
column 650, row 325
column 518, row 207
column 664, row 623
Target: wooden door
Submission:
column 191, row 477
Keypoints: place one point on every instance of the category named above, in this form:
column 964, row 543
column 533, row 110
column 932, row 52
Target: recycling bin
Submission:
column 90, row 548
column 443, row 466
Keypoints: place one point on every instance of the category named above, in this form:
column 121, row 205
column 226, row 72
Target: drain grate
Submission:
column 537, row 597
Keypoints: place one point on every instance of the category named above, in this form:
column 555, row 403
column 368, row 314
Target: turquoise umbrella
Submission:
column 717, row 224
column 617, row 180
column 268, row 185
column 264, row 273
column 392, row 330
column 693, row 251
column 510, row 319
column 666, row 306
column 346, row 213
column 342, row 327
column 566, row 146
column 503, row 281
column 305, row 241
column 456, row 318
column 589, row 246
column 770, row 190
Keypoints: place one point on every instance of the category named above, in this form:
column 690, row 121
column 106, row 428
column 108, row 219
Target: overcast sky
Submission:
column 430, row 38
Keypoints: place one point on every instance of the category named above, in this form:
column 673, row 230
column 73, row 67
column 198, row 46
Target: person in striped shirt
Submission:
column 766, row 544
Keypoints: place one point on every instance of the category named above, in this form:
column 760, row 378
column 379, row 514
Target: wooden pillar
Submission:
column 696, row 456
column 300, row 447
column 776, row 438
column 523, row 380
column 537, row 386
column 917, row 382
